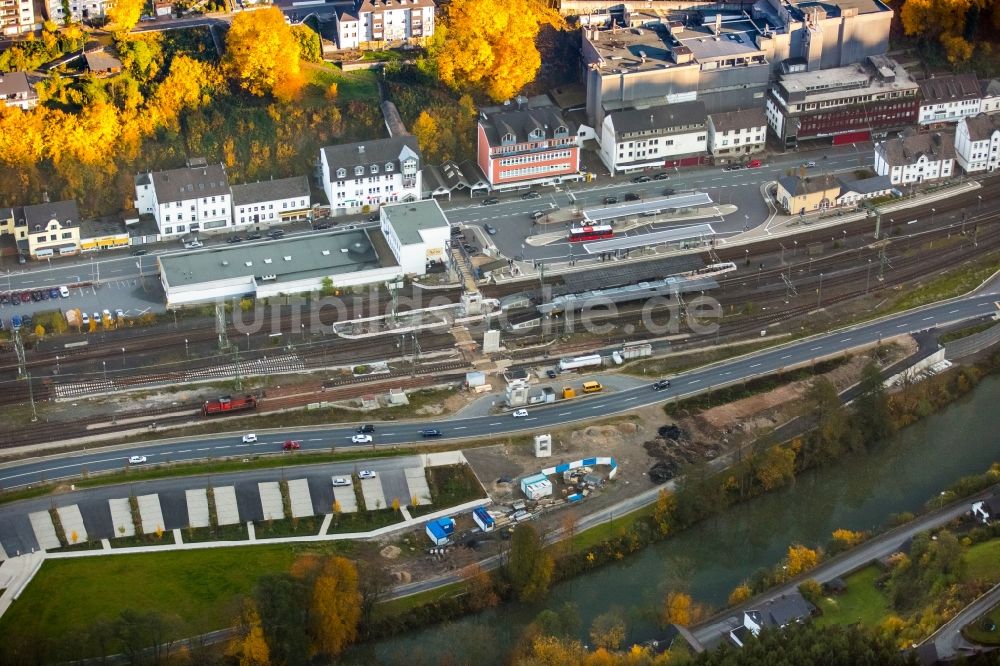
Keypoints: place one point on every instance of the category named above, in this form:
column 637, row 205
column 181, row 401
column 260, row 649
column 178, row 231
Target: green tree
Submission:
column 529, row 567
column 608, row 630
column 310, row 46
column 823, row 404
column 871, row 407
column 284, row 617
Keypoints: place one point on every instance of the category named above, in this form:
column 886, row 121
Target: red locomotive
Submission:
column 228, row 403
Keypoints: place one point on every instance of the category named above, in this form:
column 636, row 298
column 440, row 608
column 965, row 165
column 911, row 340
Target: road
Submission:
column 948, row 640
column 540, row 419
column 717, row 629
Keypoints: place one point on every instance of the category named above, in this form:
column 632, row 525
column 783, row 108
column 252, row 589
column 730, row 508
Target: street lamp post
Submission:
column 248, row 341
column 819, row 292
column 105, row 366
column 868, row 279
column 980, row 206
column 123, row 358
column 186, row 348
column 933, row 210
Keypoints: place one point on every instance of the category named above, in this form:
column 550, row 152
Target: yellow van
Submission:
column 592, row 387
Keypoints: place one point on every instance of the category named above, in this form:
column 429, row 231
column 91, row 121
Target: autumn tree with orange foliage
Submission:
column 336, row 606
column 679, row 608
column 944, row 21
column 262, row 55
column 489, row 44
column 249, row 647
column 739, row 594
column 799, row 559
column 124, row 14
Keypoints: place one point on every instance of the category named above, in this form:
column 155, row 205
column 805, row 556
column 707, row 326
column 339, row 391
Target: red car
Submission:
column 753, row 164
column 291, row 445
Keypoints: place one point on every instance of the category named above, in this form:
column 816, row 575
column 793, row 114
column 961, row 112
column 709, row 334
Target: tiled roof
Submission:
column 190, row 183
column 951, row 88
column 270, row 190
column 40, row 214
column 908, row 148
column 366, row 153
column 735, row 120
column 665, row 118
column 520, row 122
column 981, row 127
column 809, row 185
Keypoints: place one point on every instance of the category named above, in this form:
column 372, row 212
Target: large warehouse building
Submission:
column 411, row 236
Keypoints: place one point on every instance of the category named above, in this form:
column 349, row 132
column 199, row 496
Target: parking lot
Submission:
column 129, row 295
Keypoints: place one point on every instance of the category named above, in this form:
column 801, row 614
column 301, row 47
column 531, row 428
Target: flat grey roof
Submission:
column 409, row 219
column 688, row 200
column 654, row 238
column 308, row 256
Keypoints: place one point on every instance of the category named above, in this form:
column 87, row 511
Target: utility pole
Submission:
column 220, row 326
column 239, row 381
column 31, row 399
column 819, row 292
column 19, row 350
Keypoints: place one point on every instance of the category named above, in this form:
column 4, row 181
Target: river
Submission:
column 713, row 557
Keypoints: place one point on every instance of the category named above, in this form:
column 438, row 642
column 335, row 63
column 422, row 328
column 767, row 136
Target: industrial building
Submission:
column 440, row 530
column 269, row 268
column 417, row 234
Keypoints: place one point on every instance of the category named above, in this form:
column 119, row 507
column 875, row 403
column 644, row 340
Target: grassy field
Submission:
column 589, row 538
column 399, row 606
column 360, row 84
column 982, row 561
column 977, row 631
column 862, row 603
column 67, row 596
column 955, row 282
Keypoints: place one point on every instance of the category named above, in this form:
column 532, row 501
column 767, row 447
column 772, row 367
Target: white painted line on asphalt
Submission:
column 983, row 305
column 497, row 423
column 316, row 439
column 952, row 311
column 388, row 433
column 459, row 428
column 204, row 449
column 901, row 326
column 596, row 407
column 755, row 365
column 815, row 349
column 846, row 340
column 631, row 399
column 786, row 356
column 223, row 447
column 927, row 318
column 563, row 414
column 531, row 418
column 184, row 451
column 694, row 381
column 239, row 445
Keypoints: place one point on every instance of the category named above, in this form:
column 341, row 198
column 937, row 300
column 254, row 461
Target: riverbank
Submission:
column 715, row 555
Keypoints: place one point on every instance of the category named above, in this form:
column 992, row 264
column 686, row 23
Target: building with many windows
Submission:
column 844, row 105
column 670, row 135
column 384, row 22
column 271, row 202
column 79, row 10
column 977, row 143
column 363, row 176
column 948, row 99
column 16, row 16
column 525, row 147
column 193, row 198
column 734, row 134
column 913, row 158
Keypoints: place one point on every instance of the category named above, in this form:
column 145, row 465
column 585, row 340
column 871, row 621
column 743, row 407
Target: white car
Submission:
column 64, row 292
column 85, row 318
column 362, row 439
column 519, row 413
column 249, row 438
column 809, row 165
column 339, row 481
column 120, row 315
column 136, row 460
column 366, row 474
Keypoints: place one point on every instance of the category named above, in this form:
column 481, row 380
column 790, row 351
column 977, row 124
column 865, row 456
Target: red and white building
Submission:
column 527, row 147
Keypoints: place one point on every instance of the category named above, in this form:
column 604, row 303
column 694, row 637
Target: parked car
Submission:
column 520, row 412
column 321, row 226
column 64, row 292
column 663, row 175
column 471, row 249
column 249, row 438
column 661, row 385
column 35, row 296
column 538, row 214
column 339, row 481
column 254, row 235
column 430, row 432
column 120, row 315
column 191, row 245
column 669, row 192
column 139, row 253
column 631, row 196
column 550, row 373
column 367, row 427
column 136, row 460
column 96, row 317
column 26, row 297
column 43, row 295
column 53, row 293
column 275, row 233
column 15, row 322
column 610, row 200
column 530, row 195
column 291, row 445
column 361, row 439
column 374, row 218
column 754, row 164
column 84, row 318
column 733, row 167
column 366, row 474
column 106, row 316
column 490, row 201
column 26, row 321
column 4, row 299
column 641, row 179
column 234, row 239
column 490, row 229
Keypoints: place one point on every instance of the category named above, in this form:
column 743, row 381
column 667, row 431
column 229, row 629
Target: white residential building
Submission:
column 947, row 99
column 79, row 10
column 916, row 158
column 977, row 143
column 271, row 202
column 16, row 90
column 16, row 16
column 186, row 200
column 383, row 22
column 991, row 96
column 737, row 133
column 362, row 176
column 669, row 135
column 417, row 233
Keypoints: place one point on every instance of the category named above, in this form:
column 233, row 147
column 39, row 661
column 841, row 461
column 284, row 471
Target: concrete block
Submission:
column 270, row 500
column 197, row 503
column 45, row 531
column 121, row 517
column 72, row 522
column 298, row 493
column 416, row 481
column 226, row 510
